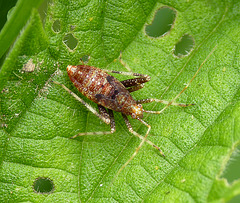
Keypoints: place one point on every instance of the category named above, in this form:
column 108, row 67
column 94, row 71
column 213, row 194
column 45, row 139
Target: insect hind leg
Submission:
column 109, row 115
column 129, row 126
column 88, row 106
column 144, row 139
column 105, row 116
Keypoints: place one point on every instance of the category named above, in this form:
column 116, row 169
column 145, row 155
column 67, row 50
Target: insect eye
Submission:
column 133, row 115
column 140, row 106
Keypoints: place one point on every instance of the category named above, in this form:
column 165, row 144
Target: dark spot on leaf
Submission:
column 162, row 22
column 184, row 46
column 168, row 192
column 43, row 185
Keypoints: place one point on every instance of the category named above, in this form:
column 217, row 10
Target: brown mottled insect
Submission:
column 114, row 95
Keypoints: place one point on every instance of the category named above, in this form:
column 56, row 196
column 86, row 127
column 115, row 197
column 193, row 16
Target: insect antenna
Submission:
column 172, row 102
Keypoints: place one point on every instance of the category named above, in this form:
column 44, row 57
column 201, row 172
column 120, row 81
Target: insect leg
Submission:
column 136, row 88
column 140, row 145
column 135, row 83
column 140, row 136
column 129, row 73
column 103, row 111
column 89, row 107
column 108, row 115
column 129, row 126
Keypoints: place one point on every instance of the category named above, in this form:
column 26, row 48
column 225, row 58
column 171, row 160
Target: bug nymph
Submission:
column 107, row 91
column 110, row 95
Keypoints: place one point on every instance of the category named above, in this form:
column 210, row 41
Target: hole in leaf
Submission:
column 56, row 26
column 231, row 173
column 70, row 41
column 184, row 46
column 72, row 27
column 162, row 22
column 85, row 58
column 43, row 185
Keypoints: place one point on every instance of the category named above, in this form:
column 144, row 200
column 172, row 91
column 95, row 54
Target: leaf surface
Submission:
column 38, row 117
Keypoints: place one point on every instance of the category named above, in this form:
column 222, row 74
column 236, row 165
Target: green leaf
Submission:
column 38, row 117
column 5, row 7
column 17, row 19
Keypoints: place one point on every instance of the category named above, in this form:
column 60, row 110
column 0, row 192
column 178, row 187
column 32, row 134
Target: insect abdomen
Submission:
column 89, row 80
column 94, row 83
